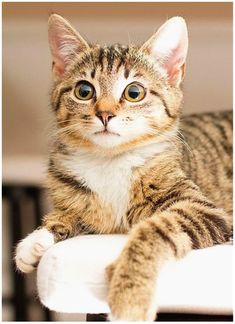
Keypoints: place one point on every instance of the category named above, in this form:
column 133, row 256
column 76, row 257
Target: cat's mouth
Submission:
column 105, row 132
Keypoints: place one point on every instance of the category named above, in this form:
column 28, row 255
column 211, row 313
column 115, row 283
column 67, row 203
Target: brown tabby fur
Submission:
column 180, row 199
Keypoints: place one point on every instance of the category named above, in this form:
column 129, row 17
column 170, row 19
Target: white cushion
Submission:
column 71, row 278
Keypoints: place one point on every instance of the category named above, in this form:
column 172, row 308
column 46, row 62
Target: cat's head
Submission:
column 115, row 98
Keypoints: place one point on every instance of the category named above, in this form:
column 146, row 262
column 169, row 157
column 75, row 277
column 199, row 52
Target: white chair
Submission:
column 71, row 278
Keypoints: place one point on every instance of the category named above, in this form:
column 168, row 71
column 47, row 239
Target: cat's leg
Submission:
column 169, row 234
column 56, row 226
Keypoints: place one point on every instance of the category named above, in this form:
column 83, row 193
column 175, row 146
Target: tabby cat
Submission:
column 124, row 162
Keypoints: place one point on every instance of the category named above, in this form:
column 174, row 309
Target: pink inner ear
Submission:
column 174, row 64
column 58, row 67
column 176, row 75
column 63, row 44
column 55, row 45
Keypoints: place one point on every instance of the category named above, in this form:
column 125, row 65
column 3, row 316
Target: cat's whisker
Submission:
column 183, row 141
column 78, row 121
column 68, row 130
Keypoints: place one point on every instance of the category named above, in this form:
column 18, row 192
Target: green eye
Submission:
column 134, row 92
column 84, row 90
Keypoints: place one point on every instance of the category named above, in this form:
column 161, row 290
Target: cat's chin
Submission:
column 106, row 139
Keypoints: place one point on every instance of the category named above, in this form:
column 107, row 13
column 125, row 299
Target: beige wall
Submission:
column 27, row 63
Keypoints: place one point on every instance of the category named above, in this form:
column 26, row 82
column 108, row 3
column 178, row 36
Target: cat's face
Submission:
column 116, row 97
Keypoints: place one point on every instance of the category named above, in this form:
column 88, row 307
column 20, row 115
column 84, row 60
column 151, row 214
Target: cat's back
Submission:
column 210, row 133
column 210, row 125
column 207, row 157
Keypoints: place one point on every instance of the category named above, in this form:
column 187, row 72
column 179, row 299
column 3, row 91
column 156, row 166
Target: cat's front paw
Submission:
column 30, row 250
column 129, row 298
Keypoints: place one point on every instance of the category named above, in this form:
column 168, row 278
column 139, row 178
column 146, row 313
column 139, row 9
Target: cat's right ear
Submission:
column 65, row 43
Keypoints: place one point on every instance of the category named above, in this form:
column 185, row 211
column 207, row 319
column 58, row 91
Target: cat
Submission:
column 124, row 161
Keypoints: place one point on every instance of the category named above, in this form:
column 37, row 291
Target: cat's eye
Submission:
column 134, row 92
column 84, row 90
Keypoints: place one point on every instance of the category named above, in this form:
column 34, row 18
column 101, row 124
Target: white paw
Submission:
column 30, row 250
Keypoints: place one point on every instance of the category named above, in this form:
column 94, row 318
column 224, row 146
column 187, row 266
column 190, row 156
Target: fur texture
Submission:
column 134, row 166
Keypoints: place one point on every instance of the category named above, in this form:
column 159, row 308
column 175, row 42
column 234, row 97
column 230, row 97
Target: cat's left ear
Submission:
column 65, row 43
column 169, row 48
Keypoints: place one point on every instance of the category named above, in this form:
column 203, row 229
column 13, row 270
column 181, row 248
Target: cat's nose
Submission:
column 105, row 116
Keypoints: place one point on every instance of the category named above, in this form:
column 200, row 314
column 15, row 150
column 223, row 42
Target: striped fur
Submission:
column 166, row 180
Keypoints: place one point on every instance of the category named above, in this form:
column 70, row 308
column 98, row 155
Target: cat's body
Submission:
column 103, row 200
column 124, row 162
column 210, row 166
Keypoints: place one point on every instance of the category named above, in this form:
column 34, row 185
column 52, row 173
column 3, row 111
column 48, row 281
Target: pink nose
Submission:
column 105, row 116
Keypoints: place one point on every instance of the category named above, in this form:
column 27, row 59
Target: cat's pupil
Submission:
column 84, row 90
column 133, row 92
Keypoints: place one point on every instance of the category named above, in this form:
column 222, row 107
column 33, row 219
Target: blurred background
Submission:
column 26, row 108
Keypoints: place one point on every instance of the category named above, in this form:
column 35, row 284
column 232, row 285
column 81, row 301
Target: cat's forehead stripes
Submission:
column 110, row 56
column 93, row 73
column 138, row 75
column 127, row 72
column 106, row 59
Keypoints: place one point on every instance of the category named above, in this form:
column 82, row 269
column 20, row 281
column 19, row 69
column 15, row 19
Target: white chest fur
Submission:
column 110, row 178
